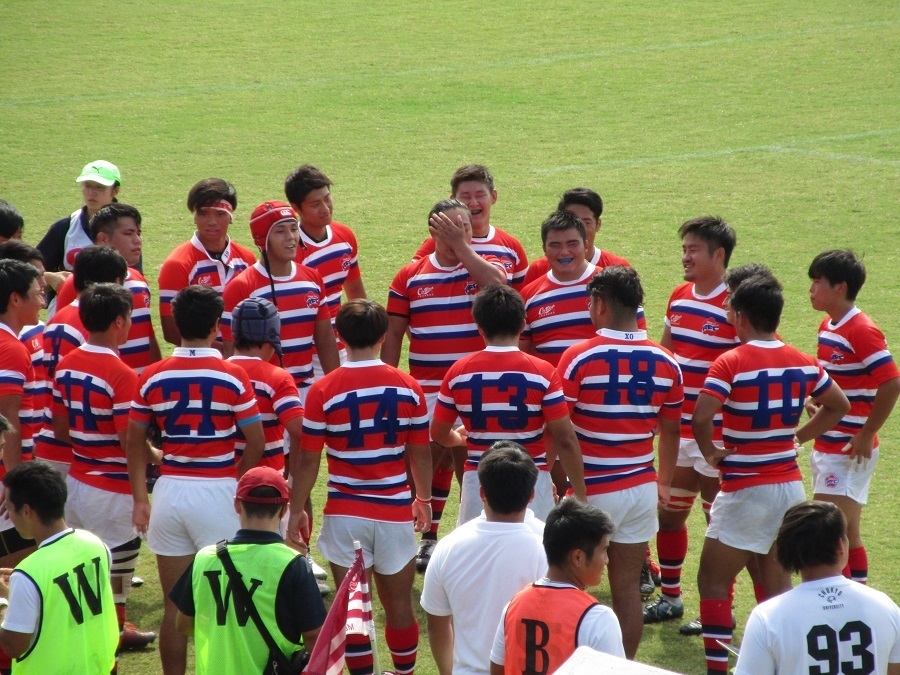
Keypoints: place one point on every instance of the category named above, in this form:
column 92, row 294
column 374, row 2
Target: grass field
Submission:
column 782, row 117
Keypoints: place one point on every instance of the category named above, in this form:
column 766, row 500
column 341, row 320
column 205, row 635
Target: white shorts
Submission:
column 633, row 511
column 388, row 547
column 190, row 513
column 106, row 514
column 749, row 519
column 838, row 475
column 431, row 403
column 318, row 373
column 470, row 505
column 62, row 467
column 689, row 455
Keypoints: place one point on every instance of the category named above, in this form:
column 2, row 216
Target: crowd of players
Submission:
column 549, row 360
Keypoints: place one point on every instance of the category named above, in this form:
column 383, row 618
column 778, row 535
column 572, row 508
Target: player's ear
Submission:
column 531, row 499
column 237, row 506
column 493, row 196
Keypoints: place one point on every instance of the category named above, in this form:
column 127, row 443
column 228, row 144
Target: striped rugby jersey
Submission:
column 854, row 352
column 538, row 268
column 93, row 390
column 278, row 402
column 763, row 386
column 618, row 385
column 365, row 413
column 17, row 379
column 335, row 258
column 39, row 388
column 502, row 394
column 197, row 399
column 700, row 334
column 437, row 302
column 300, row 299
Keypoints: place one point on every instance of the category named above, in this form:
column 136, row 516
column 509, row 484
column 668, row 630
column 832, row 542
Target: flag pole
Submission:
column 370, row 624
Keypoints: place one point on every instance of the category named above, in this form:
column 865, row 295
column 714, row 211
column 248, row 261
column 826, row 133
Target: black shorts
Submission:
column 12, row 542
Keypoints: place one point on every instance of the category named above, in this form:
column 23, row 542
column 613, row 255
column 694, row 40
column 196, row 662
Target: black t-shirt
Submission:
column 298, row 602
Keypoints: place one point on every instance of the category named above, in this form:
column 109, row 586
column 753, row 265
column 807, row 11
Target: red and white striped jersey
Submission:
column 63, row 334
column 618, row 386
column 189, row 264
column 538, row 268
column 136, row 350
column 854, row 352
column 278, row 402
column 300, row 299
column 365, row 413
column 198, row 400
column 763, row 386
column 498, row 244
column 502, row 394
column 335, row 258
column 33, row 339
column 17, row 379
column 93, row 389
column 437, row 302
column 700, row 334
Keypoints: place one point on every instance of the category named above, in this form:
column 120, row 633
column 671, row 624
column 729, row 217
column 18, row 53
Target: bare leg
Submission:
column 172, row 644
column 625, row 562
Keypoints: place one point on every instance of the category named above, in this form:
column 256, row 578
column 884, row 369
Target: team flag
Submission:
column 350, row 613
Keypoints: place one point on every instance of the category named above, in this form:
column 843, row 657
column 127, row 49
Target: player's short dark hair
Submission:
column 101, row 304
column 809, row 535
column 508, row 475
column 196, row 310
column 760, row 300
column 714, row 231
column 471, row 172
column 560, row 221
column 106, row 220
column 840, row 265
column 257, row 510
column 210, row 190
column 16, row 249
column 15, row 277
column 499, row 311
column 583, row 197
column 361, row 323
column 574, row 525
column 447, row 205
column 40, row 486
column 618, row 286
column 737, row 275
column 97, row 265
column 302, row 181
column 11, row 221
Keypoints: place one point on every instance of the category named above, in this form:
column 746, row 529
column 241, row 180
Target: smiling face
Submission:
column 565, row 251
column 479, row 200
column 316, row 210
column 212, row 227
column 700, row 264
column 126, row 239
column 281, row 245
column 30, row 306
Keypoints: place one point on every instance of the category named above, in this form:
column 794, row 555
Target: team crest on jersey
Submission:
column 830, row 594
column 346, row 262
column 471, row 287
column 204, row 280
column 710, row 327
column 35, row 343
column 425, row 291
column 831, row 481
column 507, row 264
column 675, row 319
column 545, row 311
column 312, row 300
column 71, row 255
column 836, row 356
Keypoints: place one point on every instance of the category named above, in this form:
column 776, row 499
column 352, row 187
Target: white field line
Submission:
column 439, row 70
column 789, row 147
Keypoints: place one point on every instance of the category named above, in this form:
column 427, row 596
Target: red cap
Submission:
column 263, row 476
column 265, row 217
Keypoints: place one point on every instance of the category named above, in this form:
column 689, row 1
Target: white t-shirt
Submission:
column 599, row 629
column 532, row 521
column 473, row 573
column 834, row 624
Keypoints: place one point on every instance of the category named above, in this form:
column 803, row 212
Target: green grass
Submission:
column 782, row 117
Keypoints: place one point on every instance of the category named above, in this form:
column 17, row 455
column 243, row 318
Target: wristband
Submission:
column 423, row 501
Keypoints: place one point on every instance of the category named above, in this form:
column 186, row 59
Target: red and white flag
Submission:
column 351, row 612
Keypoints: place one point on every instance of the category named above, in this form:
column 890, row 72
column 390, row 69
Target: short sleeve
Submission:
column 498, row 649
column 755, row 656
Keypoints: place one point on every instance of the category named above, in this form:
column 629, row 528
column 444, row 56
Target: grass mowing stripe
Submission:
column 442, row 70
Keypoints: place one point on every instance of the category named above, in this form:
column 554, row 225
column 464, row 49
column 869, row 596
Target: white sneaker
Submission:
column 317, row 570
